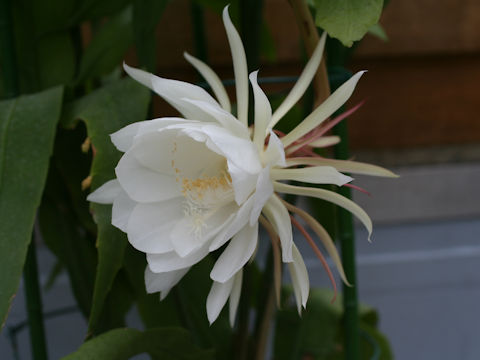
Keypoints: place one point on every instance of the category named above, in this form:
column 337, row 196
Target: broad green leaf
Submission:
column 122, row 344
column 27, row 130
column 105, row 111
column 146, row 15
column 108, row 47
column 347, row 20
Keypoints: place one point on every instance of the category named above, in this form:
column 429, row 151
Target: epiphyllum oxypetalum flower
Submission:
column 187, row 186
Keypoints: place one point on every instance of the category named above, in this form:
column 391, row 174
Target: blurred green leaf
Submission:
column 122, row 344
column 146, row 15
column 108, row 46
column 318, row 333
column 105, row 111
column 56, row 59
column 96, row 10
column 67, row 240
column 378, row 31
column 27, row 130
column 192, row 297
column 347, row 20
column 154, row 313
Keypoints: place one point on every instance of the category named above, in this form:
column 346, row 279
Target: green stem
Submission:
column 34, row 304
column 30, row 273
column 265, row 309
column 250, row 26
column 198, row 23
column 7, row 51
column 241, row 343
column 346, row 236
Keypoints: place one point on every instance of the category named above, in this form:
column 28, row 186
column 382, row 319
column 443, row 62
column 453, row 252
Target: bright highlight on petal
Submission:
column 188, row 186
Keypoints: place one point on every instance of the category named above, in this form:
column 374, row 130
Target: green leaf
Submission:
column 122, row 344
column 378, row 31
column 347, row 20
column 56, row 59
column 154, row 313
column 108, row 47
column 27, row 130
column 65, row 238
column 105, row 111
column 146, row 15
column 191, row 296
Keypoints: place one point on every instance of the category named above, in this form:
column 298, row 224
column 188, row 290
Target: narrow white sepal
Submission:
column 235, row 296
column 263, row 113
column 314, row 175
column 302, row 83
column 239, row 67
column 212, row 79
column 106, row 193
column 217, row 298
column 277, row 215
column 300, row 281
column 330, row 196
column 323, row 111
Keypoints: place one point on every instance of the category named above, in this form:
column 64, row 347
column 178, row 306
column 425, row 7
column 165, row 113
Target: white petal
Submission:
column 172, row 261
column 314, row 175
column 299, row 275
column 150, row 225
column 325, row 141
column 237, row 150
column 212, row 79
column 243, row 183
column 302, row 83
column 143, row 184
column 234, row 225
column 263, row 191
column 275, row 153
column 106, row 193
column 173, row 91
column 239, row 67
column 235, row 296
column 122, row 210
column 217, row 298
column 226, row 119
column 124, row 138
column 263, row 113
column 184, row 237
column 322, row 112
column 162, row 282
column 278, row 216
column 330, row 196
column 353, row 167
column 236, row 255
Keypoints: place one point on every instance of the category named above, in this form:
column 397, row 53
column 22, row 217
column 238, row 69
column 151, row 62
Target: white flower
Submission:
column 187, row 186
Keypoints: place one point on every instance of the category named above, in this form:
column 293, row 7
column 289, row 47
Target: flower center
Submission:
column 204, row 193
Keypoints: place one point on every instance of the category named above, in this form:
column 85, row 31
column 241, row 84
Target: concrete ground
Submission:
column 420, row 272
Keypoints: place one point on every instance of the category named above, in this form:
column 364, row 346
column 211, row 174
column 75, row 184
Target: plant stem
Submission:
column 346, row 236
column 7, row 51
column 265, row 309
column 310, row 37
column 34, row 304
column 198, row 24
